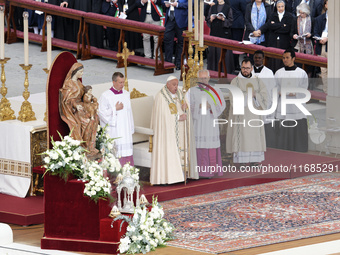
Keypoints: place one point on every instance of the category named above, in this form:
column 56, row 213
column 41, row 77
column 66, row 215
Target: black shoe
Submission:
column 178, row 68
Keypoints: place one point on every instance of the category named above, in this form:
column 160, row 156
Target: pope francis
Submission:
column 168, row 120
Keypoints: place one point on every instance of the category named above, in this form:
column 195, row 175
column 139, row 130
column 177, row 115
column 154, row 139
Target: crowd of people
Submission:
column 298, row 24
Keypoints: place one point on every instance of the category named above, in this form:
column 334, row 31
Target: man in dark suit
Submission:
column 176, row 21
column 109, row 8
column 150, row 13
column 321, row 49
column 237, row 28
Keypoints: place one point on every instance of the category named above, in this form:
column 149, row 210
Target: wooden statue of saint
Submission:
column 78, row 108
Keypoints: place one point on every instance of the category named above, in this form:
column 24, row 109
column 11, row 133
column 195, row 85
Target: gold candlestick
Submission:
column 6, row 112
column 196, row 60
column 186, row 77
column 201, row 50
column 26, row 113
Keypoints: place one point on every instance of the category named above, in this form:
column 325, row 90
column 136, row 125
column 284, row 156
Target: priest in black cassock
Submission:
column 293, row 135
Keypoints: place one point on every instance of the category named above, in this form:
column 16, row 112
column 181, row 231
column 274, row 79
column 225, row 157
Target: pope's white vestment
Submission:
column 167, row 164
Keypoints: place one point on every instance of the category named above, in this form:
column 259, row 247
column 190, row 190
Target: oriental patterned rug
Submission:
column 257, row 215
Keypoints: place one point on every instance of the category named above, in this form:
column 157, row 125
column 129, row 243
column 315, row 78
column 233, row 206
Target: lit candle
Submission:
column 25, row 15
column 49, row 41
column 201, row 40
column 190, row 15
column 2, row 33
column 196, row 19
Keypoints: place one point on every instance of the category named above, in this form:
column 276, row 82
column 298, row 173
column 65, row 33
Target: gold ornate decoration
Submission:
column 38, row 146
column 114, row 212
column 196, row 66
column 150, row 143
column 201, row 50
column 119, row 178
column 16, row 168
column 136, row 94
column 6, row 112
column 124, row 55
column 173, row 108
column 26, row 113
column 143, row 200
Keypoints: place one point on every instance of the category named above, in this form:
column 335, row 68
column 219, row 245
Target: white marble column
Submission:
column 333, row 98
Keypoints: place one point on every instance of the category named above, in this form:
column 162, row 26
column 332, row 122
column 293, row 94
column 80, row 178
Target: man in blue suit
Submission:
column 150, row 13
column 176, row 21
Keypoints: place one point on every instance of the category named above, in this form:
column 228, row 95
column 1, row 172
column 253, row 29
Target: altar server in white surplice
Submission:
column 267, row 77
column 207, row 136
column 293, row 135
column 168, row 121
column 245, row 134
column 115, row 110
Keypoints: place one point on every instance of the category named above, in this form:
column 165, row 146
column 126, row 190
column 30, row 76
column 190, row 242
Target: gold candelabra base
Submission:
column 6, row 112
column 26, row 112
column 201, row 50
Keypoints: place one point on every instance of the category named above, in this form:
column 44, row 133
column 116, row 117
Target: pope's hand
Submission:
column 119, row 106
column 184, row 106
column 183, row 117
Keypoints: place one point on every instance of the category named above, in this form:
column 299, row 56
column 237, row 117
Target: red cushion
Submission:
column 64, row 44
column 104, row 52
column 126, row 22
column 39, row 170
column 77, row 14
column 148, row 62
column 31, row 36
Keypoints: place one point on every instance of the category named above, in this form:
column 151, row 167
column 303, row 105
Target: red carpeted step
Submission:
column 21, row 211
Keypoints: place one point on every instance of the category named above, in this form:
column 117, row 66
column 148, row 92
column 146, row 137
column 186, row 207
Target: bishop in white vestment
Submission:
column 115, row 110
column 245, row 134
column 168, row 123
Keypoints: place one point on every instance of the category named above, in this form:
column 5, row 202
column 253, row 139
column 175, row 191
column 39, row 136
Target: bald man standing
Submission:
column 168, row 119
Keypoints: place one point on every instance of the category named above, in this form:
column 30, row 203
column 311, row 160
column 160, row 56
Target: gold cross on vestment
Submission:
column 125, row 55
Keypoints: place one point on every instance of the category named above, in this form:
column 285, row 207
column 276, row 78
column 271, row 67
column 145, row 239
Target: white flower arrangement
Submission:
column 97, row 186
column 133, row 171
column 67, row 157
column 111, row 163
column 104, row 143
column 146, row 230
